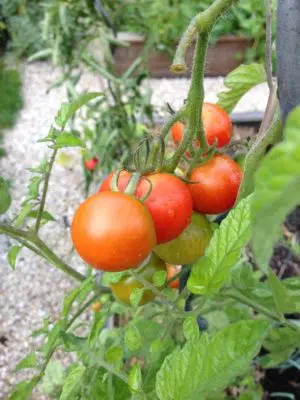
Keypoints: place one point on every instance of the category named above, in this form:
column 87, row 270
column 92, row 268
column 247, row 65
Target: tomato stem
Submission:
column 133, row 182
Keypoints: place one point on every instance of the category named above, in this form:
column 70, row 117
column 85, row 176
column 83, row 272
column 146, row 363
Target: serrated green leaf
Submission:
column 30, row 361
column 206, row 366
column 25, row 210
column 97, row 326
column 159, row 278
column 239, row 82
column 5, row 197
column 68, row 140
column 135, row 379
column 133, row 338
column 68, row 110
column 210, row 272
column 284, row 302
column 84, row 289
column 191, row 328
column 46, row 216
column 135, row 296
column 72, row 383
column 34, row 186
column 13, row 254
column 114, row 355
column 277, row 190
column 112, row 277
column 72, row 342
column 23, row 389
column 53, row 337
column 54, row 377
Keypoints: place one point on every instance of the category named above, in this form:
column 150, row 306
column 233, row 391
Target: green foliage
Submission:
column 205, row 366
column 239, row 82
column 277, row 190
column 211, row 272
column 5, row 197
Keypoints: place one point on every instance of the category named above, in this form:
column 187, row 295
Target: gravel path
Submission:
column 35, row 289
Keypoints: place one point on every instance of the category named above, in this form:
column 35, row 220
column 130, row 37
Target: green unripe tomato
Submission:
column 123, row 289
column 188, row 246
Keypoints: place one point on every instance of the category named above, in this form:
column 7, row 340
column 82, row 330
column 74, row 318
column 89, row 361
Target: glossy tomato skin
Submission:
column 123, row 289
column 122, row 182
column 217, row 125
column 218, row 182
column 169, row 203
column 172, row 271
column 188, row 246
column 113, row 231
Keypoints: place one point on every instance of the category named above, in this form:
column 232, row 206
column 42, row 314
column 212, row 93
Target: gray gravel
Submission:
column 36, row 289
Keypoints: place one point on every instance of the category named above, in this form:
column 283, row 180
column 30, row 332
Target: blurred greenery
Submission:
column 10, row 99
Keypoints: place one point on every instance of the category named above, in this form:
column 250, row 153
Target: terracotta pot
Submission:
column 227, row 54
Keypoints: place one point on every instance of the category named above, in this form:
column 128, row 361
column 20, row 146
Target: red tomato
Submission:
column 172, row 271
column 217, row 126
column 169, row 203
column 217, row 185
column 91, row 164
column 122, row 182
column 113, row 231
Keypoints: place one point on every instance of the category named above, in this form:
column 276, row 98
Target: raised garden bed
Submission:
column 227, row 54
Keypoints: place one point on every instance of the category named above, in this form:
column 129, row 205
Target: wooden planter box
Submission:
column 227, row 54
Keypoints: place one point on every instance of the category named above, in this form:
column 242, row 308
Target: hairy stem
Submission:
column 194, row 104
column 45, row 191
column 268, row 61
column 37, row 245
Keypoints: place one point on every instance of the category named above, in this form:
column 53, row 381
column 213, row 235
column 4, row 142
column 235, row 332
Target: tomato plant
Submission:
column 125, row 286
column 229, row 303
column 91, row 164
column 113, row 247
column 215, row 185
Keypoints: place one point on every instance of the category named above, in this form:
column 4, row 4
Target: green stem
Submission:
column 132, row 184
column 236, row 295
column 194, row 104
column 45, row 190
column 203, row 22
column 257, row 152
column 39, row 247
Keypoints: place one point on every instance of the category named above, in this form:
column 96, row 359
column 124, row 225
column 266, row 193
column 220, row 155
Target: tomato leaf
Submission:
column 23, row 389
column 191, row 328
column 46, row 216
column 67, row 110
column 206, row 365
column 277, row 190
column 159, row 278
column 284, row 302
column 72, row 383
column 135, row 379
column 13, row 254
column 114, row 355
column 239, row 82
column 53, row 337
column 25, row 210
column 5, row 197
column 210, row 272
column 54, row 377
column 133, row 338
column 135, row 296
column 68, row 139
column 83, row 290
column 98, row 325
column 30, row 361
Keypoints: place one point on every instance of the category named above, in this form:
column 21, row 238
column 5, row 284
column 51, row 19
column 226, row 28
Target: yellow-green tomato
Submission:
column 188, row 246
column 123, row 289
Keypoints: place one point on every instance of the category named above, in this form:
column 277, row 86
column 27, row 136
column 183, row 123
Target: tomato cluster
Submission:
column 162, row 228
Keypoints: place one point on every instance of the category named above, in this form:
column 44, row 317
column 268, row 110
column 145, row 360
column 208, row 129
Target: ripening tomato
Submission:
column 113, row 231
column 123, row 289
column 188, row 246
column 123, row 180
column 216, row 123
column 91, row 164
column 217, row 185
column 172, row 271
column 169, row 203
